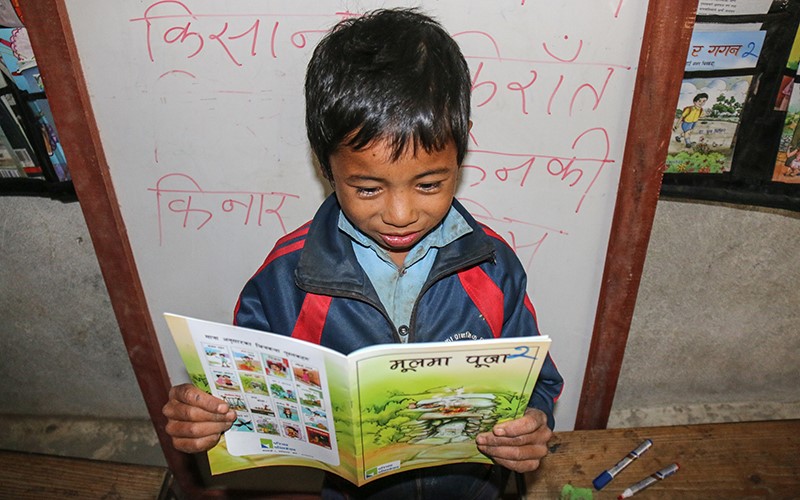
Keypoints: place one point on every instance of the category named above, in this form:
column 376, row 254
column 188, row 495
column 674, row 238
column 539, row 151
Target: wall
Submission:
column 714, row 333
column 62, row 351
column 716, row 279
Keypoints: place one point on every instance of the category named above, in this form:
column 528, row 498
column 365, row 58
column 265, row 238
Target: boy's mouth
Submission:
column 399, row 240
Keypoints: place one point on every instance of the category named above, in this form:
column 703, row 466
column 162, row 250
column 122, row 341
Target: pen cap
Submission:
column 602, row 480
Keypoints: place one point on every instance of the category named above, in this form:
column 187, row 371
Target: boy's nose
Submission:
column 399, row 211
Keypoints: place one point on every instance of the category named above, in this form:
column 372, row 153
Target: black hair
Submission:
column 701, row 95
column 393, row 75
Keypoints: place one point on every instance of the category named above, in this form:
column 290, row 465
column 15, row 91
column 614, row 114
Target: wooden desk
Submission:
column 730, row 461
column 736, row 460
column 33, row 476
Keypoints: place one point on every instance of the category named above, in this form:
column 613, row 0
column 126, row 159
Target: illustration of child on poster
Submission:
column 706, row 119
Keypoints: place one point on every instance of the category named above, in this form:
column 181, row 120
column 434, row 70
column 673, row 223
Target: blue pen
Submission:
column 606, row 476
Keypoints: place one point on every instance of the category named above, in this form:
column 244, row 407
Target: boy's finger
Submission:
column 530, row 422
column 182, row 412
column 490, row 440
column 514, row 428
column 191, row 395
column 196, row 430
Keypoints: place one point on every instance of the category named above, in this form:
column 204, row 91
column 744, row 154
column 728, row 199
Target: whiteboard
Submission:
column 199, row 109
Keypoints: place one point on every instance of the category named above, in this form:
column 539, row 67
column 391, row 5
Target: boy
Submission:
column 689, row 118
column 391, row 256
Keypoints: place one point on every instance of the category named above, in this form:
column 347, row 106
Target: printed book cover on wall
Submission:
column 787, row 162
column 708, row 114
column 710, row 102
column 380, row 410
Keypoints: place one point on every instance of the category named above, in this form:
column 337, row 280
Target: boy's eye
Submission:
column 366, row 191
column 430, row 186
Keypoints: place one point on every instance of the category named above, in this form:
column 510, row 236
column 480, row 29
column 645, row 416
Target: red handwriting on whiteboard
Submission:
column 606, row 143
column 524, row 237
column 182, row 203
column 619, row 7
column 481, row 45
column 485, row 89
column 598, row 96
column 572, row 171
column 522, row 88
column 171, row 23
column 616, row 11
column 564, row 59
column 178, row 24
column 574, row 85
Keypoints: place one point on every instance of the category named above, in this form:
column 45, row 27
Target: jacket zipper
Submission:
column 428, row 284
column 361, row 298
column 404, row 334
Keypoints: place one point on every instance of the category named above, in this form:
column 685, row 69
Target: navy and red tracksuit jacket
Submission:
column 311, row 287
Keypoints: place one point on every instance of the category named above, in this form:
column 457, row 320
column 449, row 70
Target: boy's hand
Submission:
column 518, row 444
column 195, row 419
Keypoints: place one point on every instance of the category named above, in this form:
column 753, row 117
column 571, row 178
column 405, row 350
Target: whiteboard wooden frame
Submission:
column 665, row 43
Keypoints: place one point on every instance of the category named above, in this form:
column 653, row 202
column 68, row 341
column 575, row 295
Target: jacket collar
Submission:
column 328, row 264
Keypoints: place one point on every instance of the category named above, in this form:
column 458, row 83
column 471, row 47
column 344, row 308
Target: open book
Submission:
column 382, row 409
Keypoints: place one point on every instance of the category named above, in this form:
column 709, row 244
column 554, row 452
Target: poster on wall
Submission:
column 787, row 163
column 734, row 135
column 710, row 107
column 787, row 82
column 708, row 113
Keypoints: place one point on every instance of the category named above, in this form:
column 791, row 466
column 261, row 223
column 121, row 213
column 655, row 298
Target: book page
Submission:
column 420, row 405
column 278, row 386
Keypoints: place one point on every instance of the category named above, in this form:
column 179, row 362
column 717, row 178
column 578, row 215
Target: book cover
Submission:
column 711, row 99
column 380, row 410
column 706, row 121
column 787, row 162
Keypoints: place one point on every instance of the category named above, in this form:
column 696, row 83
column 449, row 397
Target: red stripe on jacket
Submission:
column 486, row 295
column 490, row 232
column 311, row 319
column 279, row 250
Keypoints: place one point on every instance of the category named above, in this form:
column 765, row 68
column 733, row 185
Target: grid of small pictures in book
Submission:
column 270, row 393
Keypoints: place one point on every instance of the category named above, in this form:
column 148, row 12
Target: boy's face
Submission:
column 395, row 204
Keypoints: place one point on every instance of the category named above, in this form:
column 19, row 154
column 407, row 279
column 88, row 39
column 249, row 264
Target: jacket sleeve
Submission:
column 520, row 320
column 249, row 311
column 270, row 301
